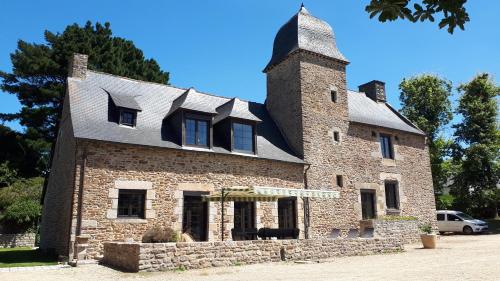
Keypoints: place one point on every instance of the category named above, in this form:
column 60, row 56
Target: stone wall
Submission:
column 356, row 156
column 17, row 240
column 167, row 256
column 54, row 229
column 406, row 230
column 166, row 174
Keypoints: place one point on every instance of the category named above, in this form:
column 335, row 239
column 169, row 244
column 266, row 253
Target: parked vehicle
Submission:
column 456, row 221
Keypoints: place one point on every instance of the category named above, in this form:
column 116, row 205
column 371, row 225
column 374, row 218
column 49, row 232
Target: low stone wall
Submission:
column 17, row 240
column 406, row 230
column 136, row 257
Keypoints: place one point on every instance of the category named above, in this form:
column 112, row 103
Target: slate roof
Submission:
column 363, row 109
column 305, row 32
column 125, row 101
column 235, row 108
column 193, row 100
column 89, row 111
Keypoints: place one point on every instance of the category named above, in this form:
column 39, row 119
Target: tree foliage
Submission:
column 477, row 144
column 425, row 101
column 38, row 77
column 451, row 12
column 20, row 206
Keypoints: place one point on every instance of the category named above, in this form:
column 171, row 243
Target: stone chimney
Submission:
column 78, row 66
column 374, row 90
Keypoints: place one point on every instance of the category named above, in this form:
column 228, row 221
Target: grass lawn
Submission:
column 23, row 256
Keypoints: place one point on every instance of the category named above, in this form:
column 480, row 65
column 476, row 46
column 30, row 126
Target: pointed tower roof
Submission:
column 235, row 108
column 304, row 32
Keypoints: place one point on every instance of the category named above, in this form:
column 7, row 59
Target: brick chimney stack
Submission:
column 78, row 66
column 374, row 90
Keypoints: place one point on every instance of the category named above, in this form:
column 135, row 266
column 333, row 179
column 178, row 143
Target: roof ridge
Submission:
column 164, row 85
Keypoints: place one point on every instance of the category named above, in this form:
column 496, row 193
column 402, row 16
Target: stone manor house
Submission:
column 132, row 155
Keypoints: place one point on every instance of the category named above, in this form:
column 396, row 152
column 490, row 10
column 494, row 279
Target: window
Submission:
column 243, row 138
column 287, row 213
column 340, row 180
column 333, row 94
column 368, row 210
column 440, row 217
column 195, row 216
column 131, row 203
column 391, row 195
column 197, row 131
column 244, row 215
column 452, row 217
column 128, row 117
column 336, row 136
column 386, row 146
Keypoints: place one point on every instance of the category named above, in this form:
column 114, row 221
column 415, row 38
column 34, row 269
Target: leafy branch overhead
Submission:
column 452, row 13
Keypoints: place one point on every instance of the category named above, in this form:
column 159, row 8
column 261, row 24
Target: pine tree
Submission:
column 38, row 77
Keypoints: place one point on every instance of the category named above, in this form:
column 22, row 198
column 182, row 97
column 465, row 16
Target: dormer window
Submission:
column 196, row 132
column 128, row 117
column 243, row 137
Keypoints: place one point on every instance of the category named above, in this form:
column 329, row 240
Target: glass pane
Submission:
column 190, row 131
column 391, row 196
column 127, row 118
column 385, row 145
column 243, row 137
column 131, row 203
column 202, row 133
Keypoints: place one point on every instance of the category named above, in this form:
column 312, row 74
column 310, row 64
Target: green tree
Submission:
column 20, row 206
column 452, row 12
column 477, row 145
column 425, row 102
column 38, row 77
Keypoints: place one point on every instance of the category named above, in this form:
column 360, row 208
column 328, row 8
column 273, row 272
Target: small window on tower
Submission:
column 336, row 136
column 340, row 180
column 333, row 94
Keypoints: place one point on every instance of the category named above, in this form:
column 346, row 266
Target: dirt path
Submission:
column 457, row 258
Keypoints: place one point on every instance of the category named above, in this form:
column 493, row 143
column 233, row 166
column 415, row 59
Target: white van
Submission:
column 455, row 221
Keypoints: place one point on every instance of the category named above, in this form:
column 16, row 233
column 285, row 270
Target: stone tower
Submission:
column 307, row 98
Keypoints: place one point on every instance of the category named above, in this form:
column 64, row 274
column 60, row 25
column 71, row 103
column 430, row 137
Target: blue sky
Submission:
column 221, row 46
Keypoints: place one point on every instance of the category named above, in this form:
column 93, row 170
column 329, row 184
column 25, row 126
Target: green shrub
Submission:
column 20, row 206
column 426, row 228
column 159, row 235
column 398, row 218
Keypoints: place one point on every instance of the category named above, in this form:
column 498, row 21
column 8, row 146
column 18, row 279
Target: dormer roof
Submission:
column 192, row 100
column 235, row 108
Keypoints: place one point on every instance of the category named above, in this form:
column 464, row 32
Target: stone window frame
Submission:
column 333, row 133
column 113, row 192
column 377, row 153
column 402, row 199
column 334, row 94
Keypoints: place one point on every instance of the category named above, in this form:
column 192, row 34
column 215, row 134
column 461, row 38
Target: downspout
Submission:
column 78, row 227
column 306, row 204
column 80, row 192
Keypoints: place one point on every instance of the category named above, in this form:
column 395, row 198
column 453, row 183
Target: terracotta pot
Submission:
column 428, row 240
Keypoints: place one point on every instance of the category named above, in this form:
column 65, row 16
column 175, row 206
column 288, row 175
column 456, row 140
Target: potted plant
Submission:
column 428, row 238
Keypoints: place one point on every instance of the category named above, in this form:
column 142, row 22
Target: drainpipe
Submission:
column 80, row 192
column 306, row 204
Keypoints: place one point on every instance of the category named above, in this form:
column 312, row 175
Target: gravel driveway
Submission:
column 458, row 257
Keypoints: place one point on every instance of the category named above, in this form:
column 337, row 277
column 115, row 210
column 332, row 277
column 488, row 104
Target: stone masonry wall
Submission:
column 356, row 156
column 168, row 256
column 17, row 240
column 406, row 230
column 55, row 223
column 165, row 174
